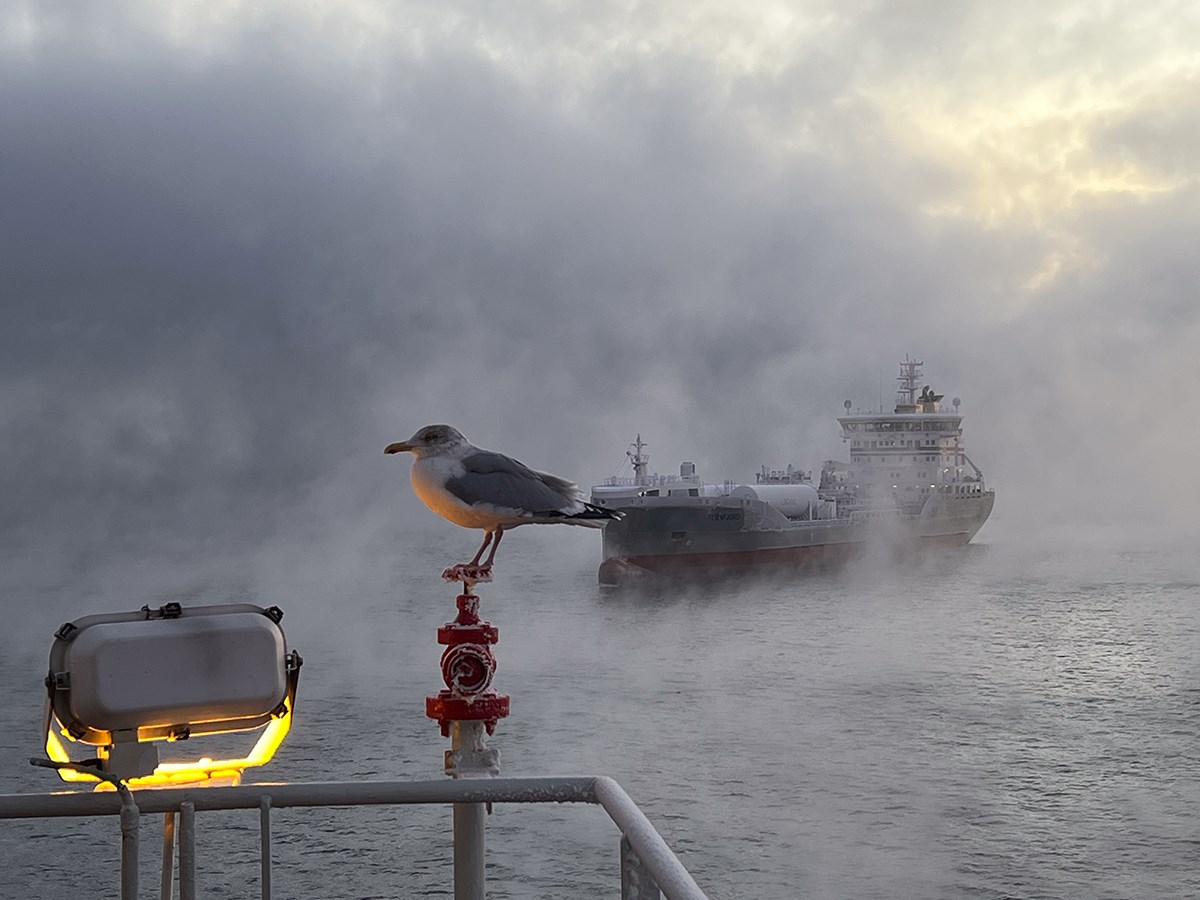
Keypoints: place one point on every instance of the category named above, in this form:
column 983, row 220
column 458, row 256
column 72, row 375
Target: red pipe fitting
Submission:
column 468, row 666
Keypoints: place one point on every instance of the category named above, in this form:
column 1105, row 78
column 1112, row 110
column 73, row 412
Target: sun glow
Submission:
column 1026, row 159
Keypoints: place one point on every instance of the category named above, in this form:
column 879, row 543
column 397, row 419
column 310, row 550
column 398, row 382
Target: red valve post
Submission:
column 468, row 666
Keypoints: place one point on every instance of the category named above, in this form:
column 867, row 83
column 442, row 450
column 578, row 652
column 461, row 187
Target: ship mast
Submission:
column 906, row 394
column 639, row 459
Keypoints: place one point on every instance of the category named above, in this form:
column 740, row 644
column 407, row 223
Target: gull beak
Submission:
column 398, row 447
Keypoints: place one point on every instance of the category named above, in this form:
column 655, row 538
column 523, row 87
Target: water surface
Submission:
column 1015, row 719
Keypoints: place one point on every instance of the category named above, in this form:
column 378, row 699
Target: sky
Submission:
column 243, row 246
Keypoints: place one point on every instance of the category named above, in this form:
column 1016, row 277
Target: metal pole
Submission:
column 168, row 861
column 264, row 851
column 130, row 820
column 187, row 850
column 636, row 881
column 468, row 851
column 469, row 756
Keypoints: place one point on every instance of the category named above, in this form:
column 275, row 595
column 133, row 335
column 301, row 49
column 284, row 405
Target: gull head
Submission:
column 432, row 440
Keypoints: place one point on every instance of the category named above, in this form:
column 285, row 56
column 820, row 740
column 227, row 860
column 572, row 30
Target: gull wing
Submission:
column 500, row 480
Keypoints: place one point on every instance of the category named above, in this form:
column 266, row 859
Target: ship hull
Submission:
column 725, row 538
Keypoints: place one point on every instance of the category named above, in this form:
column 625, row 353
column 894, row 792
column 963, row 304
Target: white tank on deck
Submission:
column 796, row 501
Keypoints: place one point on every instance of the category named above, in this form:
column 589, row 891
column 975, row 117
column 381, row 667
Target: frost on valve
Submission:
column 468, row 666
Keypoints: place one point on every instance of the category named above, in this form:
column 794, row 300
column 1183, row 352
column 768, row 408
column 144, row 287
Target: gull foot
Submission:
column 468, row 574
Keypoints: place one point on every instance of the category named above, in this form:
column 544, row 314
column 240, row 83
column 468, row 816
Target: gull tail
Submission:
column 591, row 511
column 592, row 516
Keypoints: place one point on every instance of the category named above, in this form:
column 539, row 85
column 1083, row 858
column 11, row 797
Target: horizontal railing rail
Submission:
column 648, row 865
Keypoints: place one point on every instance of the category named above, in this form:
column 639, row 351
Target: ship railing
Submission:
column 650, row 480
column 647, row 864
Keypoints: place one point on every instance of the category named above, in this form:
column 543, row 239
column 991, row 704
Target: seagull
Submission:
column 478, row 488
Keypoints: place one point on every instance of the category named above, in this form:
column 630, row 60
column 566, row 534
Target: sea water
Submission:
column 1017, row 718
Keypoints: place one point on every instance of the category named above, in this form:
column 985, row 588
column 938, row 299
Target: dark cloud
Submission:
column 236, row 266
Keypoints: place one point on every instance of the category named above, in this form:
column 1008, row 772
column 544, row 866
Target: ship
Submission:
column 909, row 485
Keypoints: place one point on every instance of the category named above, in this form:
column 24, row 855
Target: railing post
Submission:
column 187, row 850
column 166, row 888
column 636, row 881
column 130, row 822
column 264, row 850
column 469, row 851
column 469, row 757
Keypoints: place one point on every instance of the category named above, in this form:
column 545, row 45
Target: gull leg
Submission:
column 471, row 572
column 488, row 563
column 487, row 539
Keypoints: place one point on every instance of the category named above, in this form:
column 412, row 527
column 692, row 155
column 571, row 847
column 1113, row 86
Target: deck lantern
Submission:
column 123, row 683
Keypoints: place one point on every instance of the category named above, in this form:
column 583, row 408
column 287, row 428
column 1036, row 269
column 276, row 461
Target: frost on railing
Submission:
column 648, row 866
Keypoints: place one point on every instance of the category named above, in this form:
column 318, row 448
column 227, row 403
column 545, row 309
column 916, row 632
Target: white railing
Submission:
column 649, row 480
column 648, row 865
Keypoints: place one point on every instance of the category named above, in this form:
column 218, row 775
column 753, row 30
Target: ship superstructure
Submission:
column 908, row 454
column 908, row 482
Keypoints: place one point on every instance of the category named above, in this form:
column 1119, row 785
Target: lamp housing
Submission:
column 121, row 681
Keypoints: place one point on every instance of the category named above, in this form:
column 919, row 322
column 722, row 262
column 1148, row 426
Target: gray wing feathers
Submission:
column 503, row 481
